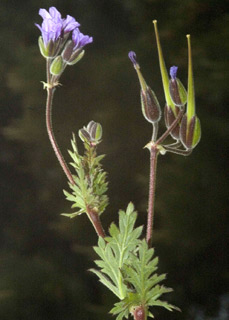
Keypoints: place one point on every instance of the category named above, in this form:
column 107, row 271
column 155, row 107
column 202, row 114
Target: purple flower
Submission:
column 79, row 39
column 132, row 56
column 53, row 26
column 173, row 72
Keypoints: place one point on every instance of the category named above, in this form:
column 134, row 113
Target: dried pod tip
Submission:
column 132, row 56
column 173, row 72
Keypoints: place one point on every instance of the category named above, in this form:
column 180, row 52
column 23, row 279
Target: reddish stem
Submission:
column 52, row 138
column 95, row 220
column 93, row 216
column 152, row 184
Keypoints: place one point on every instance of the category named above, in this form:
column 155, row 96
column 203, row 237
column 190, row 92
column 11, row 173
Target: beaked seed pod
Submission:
column 150, row 106
column 190, row 132
column 177, row 91
column 170, row 118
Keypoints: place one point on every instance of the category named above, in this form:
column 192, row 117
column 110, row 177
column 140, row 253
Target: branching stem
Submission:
column 95, row 220
column 173, row 125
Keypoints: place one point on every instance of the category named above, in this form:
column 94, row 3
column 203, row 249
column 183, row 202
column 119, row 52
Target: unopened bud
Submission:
column 170, row 117
column 92, row 133
column 84, row 135
column 71, row 56
column 190, row 132
column 177, row 91
column 57, row 66
column 150, row 106
column 95, row 130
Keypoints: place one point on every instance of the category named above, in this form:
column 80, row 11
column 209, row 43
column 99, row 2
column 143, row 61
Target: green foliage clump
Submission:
column 127, row 268
column 90, row 186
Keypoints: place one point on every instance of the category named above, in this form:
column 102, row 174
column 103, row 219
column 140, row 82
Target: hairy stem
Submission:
column 152, row 184
column 93, row 216
column 50, row 92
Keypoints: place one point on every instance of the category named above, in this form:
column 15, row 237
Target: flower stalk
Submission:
column 54, row 33
column 152, row 186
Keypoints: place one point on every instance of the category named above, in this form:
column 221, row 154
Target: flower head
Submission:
column 54, row 26
column 79, row 39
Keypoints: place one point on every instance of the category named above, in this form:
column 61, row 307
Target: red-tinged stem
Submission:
column 50, row 92
column 93, row 216
column 140, row 313
column 95, row 220
column 178, row 151
column 152, row 184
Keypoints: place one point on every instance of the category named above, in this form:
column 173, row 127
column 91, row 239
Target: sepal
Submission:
column 150, row 106
column 51, row 50
column 177, row 91
column 70, row 55
column 57, row 66
column 91, row 134
column 190, row 132
column 170, row 117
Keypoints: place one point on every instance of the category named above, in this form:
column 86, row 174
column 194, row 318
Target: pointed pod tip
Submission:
column 188, row 36
column 154, row 21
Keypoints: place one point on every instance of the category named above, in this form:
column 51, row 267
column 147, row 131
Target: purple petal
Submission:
column 55, row 14
column 44, row 14
column 79, row 39
column 173, row 72
column 50, row 30
column 70, row 24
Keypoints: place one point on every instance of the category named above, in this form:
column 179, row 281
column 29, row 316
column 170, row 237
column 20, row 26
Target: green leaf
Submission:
column 127, row 267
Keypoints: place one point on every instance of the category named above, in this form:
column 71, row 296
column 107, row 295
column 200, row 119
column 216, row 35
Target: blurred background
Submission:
column 44, row 257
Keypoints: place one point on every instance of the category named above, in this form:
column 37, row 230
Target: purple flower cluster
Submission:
column 54, row 28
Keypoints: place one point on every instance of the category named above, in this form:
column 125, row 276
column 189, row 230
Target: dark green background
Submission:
column 44, row 257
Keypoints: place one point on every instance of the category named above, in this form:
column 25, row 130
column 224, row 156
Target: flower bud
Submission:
column 170, row 118
column 84, row 135
column 92, row 133
column 71, row 56
column 95, row 130
column 57, row 66
column 150, row 106
column 190, row 132
column 177, row 91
